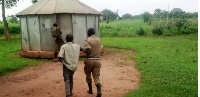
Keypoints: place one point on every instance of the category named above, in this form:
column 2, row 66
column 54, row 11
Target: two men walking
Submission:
column 69, row 56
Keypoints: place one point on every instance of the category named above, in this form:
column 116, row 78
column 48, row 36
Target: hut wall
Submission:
column 34, row 32
column 24, row 33
column 36, row 29
column 97, row 26
column 64, row 22
column 47, row 41
column 92, row 22
column 79, row 29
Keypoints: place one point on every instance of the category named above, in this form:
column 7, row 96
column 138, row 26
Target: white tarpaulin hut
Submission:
column 72, row 16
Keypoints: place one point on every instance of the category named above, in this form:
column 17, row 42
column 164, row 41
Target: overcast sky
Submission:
column 134, row 7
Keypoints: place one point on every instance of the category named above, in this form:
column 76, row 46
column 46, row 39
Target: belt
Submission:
column 94, row 58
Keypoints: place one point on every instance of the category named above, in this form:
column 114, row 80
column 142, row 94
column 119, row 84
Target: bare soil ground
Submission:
column 118, row 77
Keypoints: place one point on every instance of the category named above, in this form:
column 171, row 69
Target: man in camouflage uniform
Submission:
column 92, row 63
column 58, row 41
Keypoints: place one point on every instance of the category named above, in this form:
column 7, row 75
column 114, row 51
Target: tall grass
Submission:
column 169, row 65
column 123, row 28
column 131, row 27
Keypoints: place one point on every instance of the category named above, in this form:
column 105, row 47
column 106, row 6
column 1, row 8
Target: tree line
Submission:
column 108, row 15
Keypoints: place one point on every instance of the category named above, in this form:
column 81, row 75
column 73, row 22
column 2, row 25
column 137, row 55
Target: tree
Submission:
column 195, row 14
column 188, row 15
column 127, row 16
column 34, row 1
column 7, row 4
column 108, row 15
column 118, row 17
column 177, row 13
column 157, row 13
column 136, row 16
column 146, row 16
column 12, row 19
column 164, row 14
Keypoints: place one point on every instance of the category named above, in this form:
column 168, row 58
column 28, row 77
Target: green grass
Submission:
column 124, row 28
column 131, row 27
column 168, row 65
column 10, row 59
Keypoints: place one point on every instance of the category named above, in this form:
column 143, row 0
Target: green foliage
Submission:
column 127, row 16
column 188, row 28
column 9, row 56
column 141, row 31
column 168, row 65
column 146, row 17
column 158, row 30
column 157, row 13
column 34, row 1
column 131, row 27
column 13, row 28
column 10, row 3
column 124, row 28
column 12, row 19
column 109, row 15
column 177, row 13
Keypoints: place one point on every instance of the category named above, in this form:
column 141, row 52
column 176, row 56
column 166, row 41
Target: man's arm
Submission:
column 88, row 47
column 87, row 50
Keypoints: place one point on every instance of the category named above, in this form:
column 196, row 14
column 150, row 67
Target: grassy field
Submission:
column 132, row 27
column 169, row 65
column 10, row 59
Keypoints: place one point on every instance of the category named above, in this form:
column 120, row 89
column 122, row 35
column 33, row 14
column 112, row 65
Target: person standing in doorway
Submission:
column 69, row 56
column 92, row 63
column 58, row 41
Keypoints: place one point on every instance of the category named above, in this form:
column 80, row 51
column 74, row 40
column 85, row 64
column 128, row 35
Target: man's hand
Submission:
column 88, row 51
column 82, row 49
column 60, row 59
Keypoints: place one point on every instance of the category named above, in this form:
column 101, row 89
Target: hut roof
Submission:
column 58, row 6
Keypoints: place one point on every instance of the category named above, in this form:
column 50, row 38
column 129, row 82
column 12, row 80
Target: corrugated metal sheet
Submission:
column 47, row 41
column 97, row 32
column 79, row 29
column 24, row 33
column 64, row 22
column 58, row 6
column 90, row 21
column 34, row 32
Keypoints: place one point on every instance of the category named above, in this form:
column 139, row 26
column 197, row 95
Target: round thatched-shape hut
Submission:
column 72, row 16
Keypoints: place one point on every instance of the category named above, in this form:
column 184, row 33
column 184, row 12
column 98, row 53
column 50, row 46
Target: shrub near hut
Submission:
column 13, row 28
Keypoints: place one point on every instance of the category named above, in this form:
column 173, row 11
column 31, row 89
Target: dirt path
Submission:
column 118, row 77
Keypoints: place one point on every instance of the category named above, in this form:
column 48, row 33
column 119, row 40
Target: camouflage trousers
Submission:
column 57, row 45
column 92, row 67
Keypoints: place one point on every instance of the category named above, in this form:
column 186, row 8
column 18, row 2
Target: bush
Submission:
column 13, row 28
column 188, row 28
column 157, row 30
column 141, row 31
